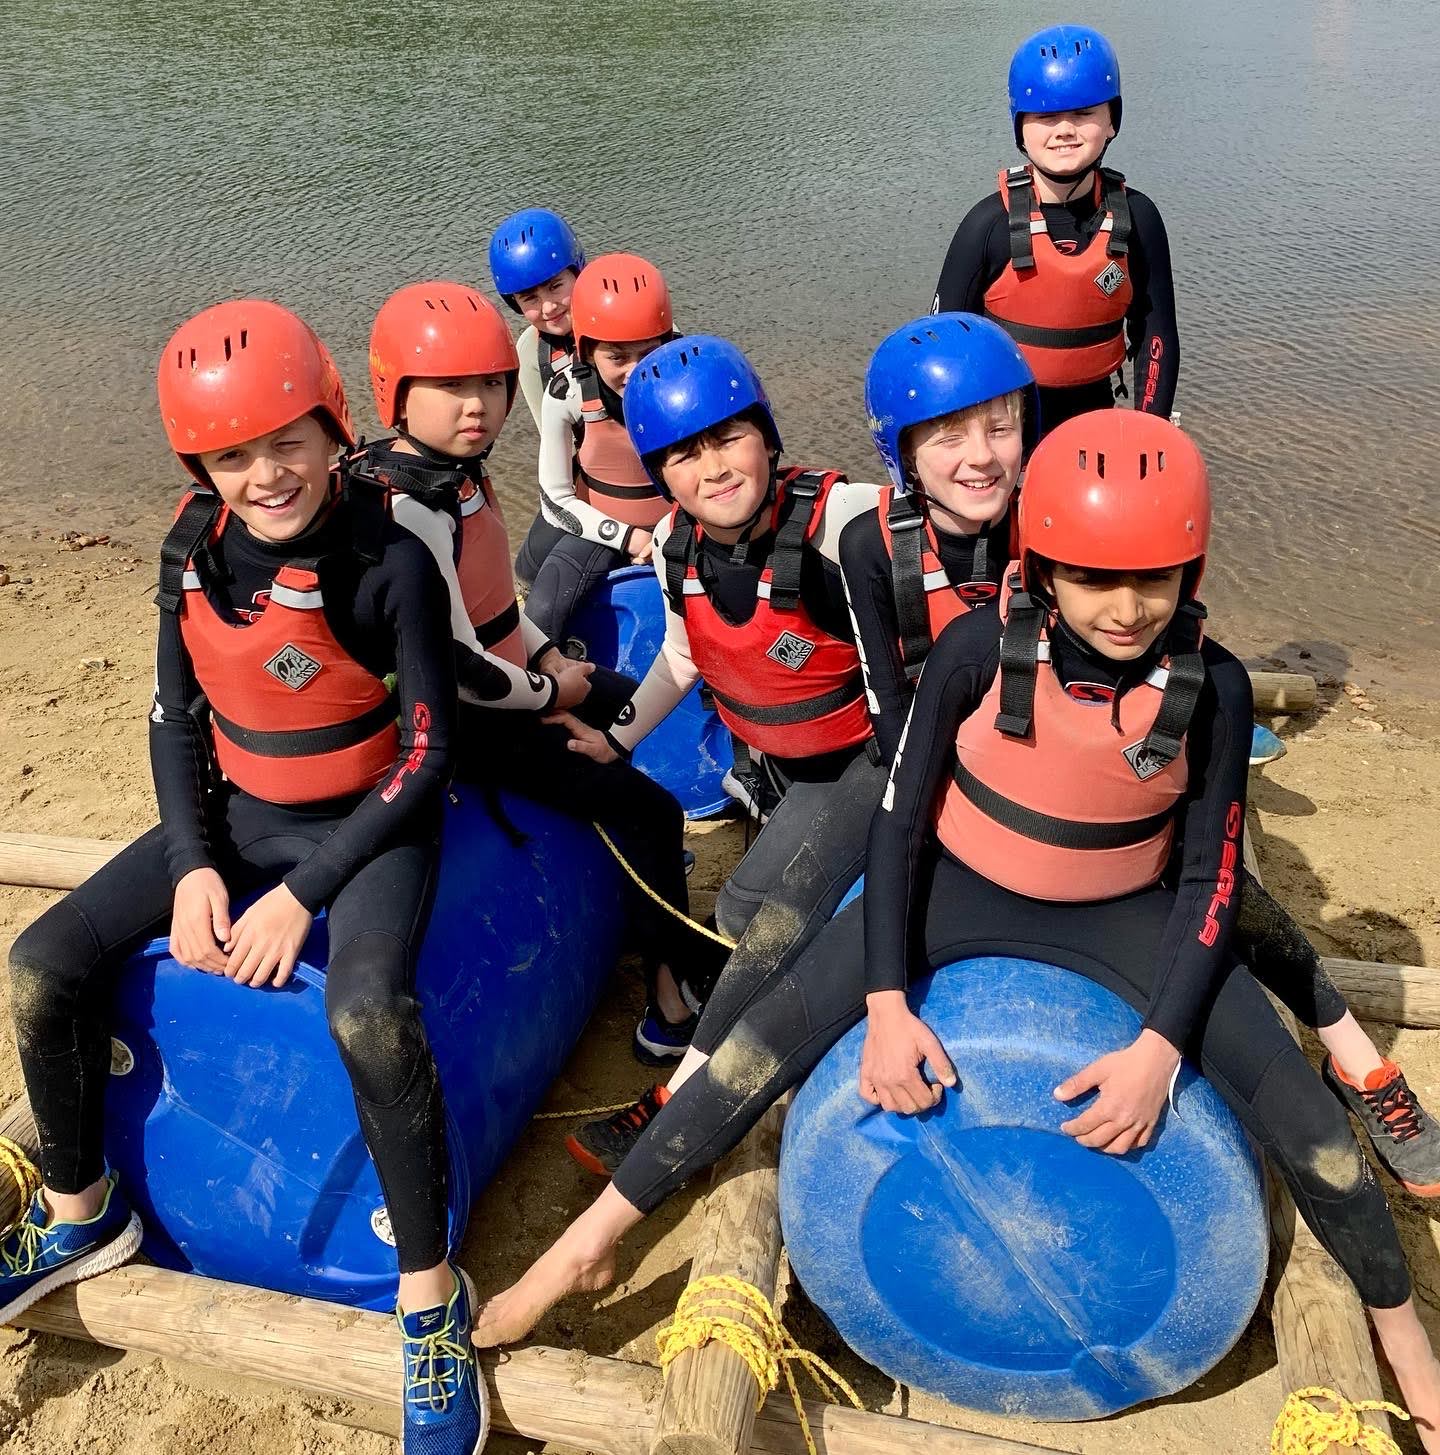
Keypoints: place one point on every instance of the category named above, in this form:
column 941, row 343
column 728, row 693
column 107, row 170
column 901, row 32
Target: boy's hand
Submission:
column 896, row 1043
column 553, row 661
column 267, row 938
column 200, row 921
column 1133, row 1084
column 584, row 738
column 641, row 546
column 572, row 683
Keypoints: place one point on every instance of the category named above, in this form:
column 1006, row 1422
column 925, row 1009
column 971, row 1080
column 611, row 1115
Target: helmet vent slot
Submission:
column 1144, row 464
column 227, row 348
column 1082, row 459
column 244, row 337
column 1100, row 463
column 1159, row 459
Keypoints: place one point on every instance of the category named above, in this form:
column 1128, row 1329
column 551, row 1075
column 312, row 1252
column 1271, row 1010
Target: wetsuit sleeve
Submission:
column 535, row 640
column 562, row 507
column 870, row 593
column 484, row 678
column 978, row 254
column 1210, row 826
column 528, row 347
column 672, row 674
column 401, row 601
column 179, row 756
column 1151, row 325
column 957, row 675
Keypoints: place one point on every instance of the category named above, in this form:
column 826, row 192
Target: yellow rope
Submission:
column 738, row 1315
column 665, row 904
column 1305, row 1429
column 16, row 1161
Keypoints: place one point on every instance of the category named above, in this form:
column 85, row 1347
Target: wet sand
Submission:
column 1349, row 841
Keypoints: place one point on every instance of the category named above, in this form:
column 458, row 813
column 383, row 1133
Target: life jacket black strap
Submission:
column 1043, row 337
column 789, row 713
column 1059, row 833
column 797, row 510
column 184, row 540
column 368, row 519
column 1019, row 658
column 1117, row 204
column 907, row 574
column 1021, row 187
column 679, row 556
column 305, row 742
column 617, row 492
column 1183, row 685
column 499, row 627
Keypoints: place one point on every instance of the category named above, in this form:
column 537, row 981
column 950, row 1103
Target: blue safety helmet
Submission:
column 688, row 386
column 530, row 247
column 1064, row 68
column 935, row 366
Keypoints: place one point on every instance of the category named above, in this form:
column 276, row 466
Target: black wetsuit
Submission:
column 980, row 252
column 924, row 908
column 369, row 859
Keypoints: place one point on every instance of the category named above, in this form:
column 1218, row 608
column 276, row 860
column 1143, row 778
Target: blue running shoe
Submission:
column 659, row 1042
column 447, row 1407
column 1265, row 747
column 38, row 1256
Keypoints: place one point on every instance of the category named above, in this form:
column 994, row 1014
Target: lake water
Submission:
column 796, row 167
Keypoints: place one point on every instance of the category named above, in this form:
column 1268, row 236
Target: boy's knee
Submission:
column 53, row 952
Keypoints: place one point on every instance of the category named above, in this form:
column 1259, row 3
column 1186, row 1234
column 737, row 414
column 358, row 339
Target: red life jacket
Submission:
column 1065, row 310
column 294, row 717
column 781, row 684
column 926, row 599
column 608, row 472
column 1047, row 798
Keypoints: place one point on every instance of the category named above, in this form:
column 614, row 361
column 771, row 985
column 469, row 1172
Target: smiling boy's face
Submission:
column 721, row 477
column 1067, row 143
column 548, row 305
column 277, row 482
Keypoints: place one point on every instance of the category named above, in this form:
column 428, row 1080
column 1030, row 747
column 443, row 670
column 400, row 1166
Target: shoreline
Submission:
column 1349, row 838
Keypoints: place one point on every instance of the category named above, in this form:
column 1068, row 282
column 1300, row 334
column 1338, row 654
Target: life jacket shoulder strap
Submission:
column 368, row 513
column 1183, row 685
column 906, row 527
column 1115, row 201
column 592, row 402
column 679, row 557
column 184, row 539
column 1019, row 186
column 1019, row 660
column 803, row 499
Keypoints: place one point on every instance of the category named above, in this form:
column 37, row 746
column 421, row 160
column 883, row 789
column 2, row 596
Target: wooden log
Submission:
column 1282, row 692
column 45, row 861
column 708, row 1404
column 1322, row 1335
column 1404, row 995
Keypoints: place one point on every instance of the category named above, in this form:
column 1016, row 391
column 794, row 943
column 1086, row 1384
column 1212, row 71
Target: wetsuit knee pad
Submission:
column 375, row 1025
column 48, row 962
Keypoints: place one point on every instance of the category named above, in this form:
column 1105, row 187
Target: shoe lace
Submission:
column 21, row 1248
column 1395, row 1105
column 432, row 1368
column 638, row 1113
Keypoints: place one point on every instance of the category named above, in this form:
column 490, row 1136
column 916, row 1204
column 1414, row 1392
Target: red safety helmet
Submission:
column 1116, row 490
column 239, row 370
column 437, row 331
column 620, row 299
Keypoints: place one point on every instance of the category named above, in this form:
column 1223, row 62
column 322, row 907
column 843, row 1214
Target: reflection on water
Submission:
column 796, row 170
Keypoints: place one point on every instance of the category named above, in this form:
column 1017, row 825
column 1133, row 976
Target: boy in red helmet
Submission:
column 1018, row 820
column 443, row 368
column 1069, row 260
column 285, row 607
column 598, row 507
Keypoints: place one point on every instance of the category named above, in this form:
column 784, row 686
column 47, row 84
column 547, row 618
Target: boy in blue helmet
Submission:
column 535, row 259
column 749, row 561
column 952, row 407
column 1069, row 260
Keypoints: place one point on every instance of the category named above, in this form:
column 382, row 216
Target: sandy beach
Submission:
column 1347, row 831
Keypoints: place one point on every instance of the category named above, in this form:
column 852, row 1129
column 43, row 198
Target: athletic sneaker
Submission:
column 1265, row 746
column 446, row 1404
column 38, row 1254
column 753, row 792
column 1403, row 1133
column 658, row 1042
column 600, row 1147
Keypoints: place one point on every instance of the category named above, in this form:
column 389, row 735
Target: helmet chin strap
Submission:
column 432, row 456
column 933, row 502
column 741, row 549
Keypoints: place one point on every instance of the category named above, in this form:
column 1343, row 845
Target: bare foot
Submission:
column 561, row 1270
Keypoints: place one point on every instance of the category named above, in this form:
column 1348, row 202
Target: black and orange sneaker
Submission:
column 600, row 1147
column 1405, row 1136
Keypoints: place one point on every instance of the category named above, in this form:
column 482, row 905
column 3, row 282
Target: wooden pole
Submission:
column 1322, row 1336
column 1405, row 995
column 708, row 1404
column 1282, row 692
column 45, row 861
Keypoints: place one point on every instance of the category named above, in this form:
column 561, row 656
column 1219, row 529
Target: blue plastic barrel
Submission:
column 977, row 1252
column 230, row 1117
column 621, row 625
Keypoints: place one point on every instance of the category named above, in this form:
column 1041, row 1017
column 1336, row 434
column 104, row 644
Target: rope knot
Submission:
column 1303, row 1428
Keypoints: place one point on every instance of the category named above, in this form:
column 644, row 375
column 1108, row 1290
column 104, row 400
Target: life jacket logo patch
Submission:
column 1145, row 763
column 1092, row 694
column 976, row 592
column 291, row 667
column 1111, row 279
column 791, row 651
